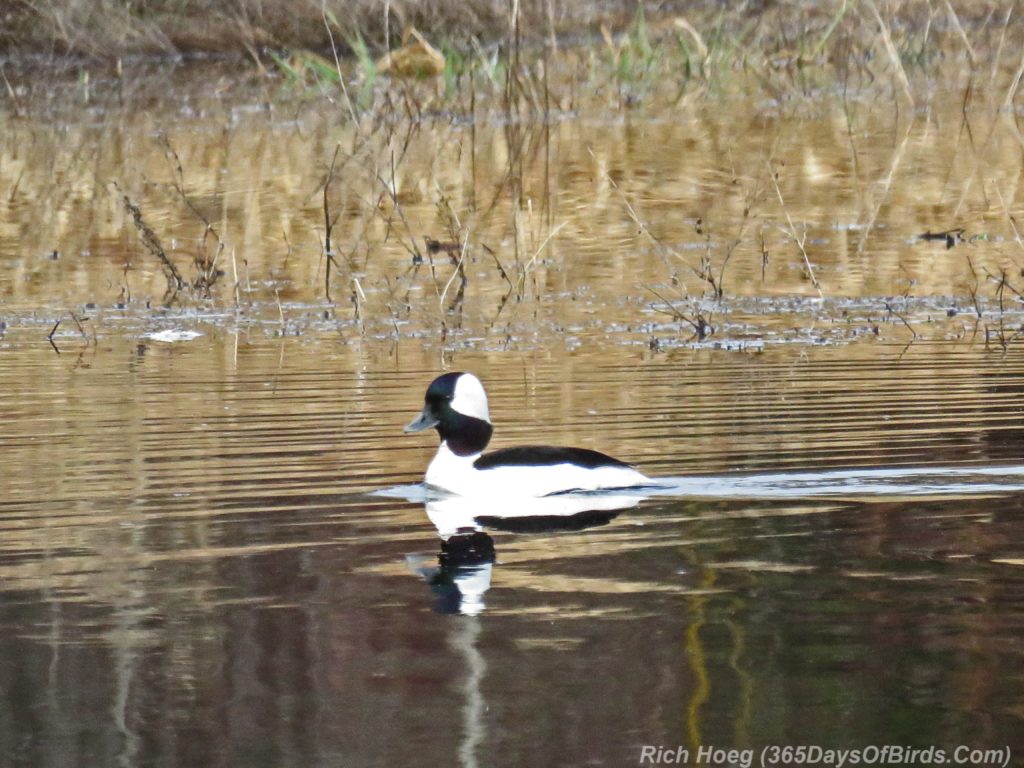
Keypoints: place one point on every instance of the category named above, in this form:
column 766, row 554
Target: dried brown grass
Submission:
column 773, row 33
column 173, row 27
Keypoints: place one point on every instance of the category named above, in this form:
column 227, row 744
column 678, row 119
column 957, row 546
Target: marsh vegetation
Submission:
column 681, row 176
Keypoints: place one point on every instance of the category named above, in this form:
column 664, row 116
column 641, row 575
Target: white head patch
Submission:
column 470, row 398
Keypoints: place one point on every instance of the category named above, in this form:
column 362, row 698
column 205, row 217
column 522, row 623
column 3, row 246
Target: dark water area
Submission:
column 196, row 567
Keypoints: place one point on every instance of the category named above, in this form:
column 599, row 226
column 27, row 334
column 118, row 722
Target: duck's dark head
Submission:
column 456, row 405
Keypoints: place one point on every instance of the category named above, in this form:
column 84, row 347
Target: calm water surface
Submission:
column 194, row 573
column 197, row 566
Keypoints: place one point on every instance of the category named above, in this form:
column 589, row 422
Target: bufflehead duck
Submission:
column 456, row 405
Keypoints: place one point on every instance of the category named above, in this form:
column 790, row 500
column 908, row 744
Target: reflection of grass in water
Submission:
column 511, row 223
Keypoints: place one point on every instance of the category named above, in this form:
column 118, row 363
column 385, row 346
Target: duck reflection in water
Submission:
column 463, row 570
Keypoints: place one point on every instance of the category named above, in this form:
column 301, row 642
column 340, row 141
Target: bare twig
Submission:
column 206, row 267
column 889, row 308
column 701, row 325
column 175, row 281
column 337, row 65
column 328, row 226
column 525, row 269
column 1011, row 92
column 894, row 56
column 955, row 21
column 792, row 233
column 894, row 165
